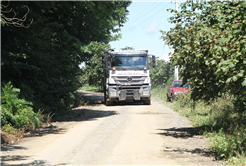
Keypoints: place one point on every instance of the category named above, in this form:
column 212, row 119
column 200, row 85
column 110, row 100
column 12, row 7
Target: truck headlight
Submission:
column 112, row 94
column 146, row 93
column 111, row 81
column 146, row 80
column 176, row 93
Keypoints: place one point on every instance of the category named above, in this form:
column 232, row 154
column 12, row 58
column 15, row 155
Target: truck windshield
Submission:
column 130, row 62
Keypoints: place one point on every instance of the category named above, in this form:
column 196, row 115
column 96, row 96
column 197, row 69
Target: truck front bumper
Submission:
column 129, row 92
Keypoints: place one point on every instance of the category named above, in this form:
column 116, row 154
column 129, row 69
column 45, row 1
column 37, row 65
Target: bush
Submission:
column 17, row 112
column 220, row 121
column 217, row 119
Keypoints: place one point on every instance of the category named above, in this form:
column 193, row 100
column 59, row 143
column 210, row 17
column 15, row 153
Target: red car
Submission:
column 175, row 89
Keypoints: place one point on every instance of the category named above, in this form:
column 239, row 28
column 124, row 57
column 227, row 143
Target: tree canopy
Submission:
column 209, row 43
column 43, row 59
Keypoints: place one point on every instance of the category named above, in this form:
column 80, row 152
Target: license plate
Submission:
column 126, row 83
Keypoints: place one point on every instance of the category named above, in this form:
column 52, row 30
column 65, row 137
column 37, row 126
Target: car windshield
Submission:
column 129, row 62
column 179, row 83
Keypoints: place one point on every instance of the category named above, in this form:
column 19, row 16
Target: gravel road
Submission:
column 127, row 133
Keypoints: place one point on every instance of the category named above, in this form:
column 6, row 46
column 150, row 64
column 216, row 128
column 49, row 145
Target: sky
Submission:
column 142, row 30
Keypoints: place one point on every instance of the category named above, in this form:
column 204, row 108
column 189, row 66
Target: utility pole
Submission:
column 176, row 68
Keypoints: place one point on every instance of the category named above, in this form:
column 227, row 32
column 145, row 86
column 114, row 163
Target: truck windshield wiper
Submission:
column 131, row 68
column 120, row 68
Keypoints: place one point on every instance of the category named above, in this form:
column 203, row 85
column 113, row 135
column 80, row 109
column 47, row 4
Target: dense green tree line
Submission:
column 209, row 42
column 92, row 71
column 161, row 73
column 42, row 58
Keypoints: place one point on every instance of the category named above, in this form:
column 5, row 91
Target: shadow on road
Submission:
column 71, row 116
column 184, row 132
column 127, row 103
column 186, row 140
column 45, row 130
column 19, row 158
column 97, row 98
column 90, row 96
column 12, row 148
column 182, row 153
column 78, row 114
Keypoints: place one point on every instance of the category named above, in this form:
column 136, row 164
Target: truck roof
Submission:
column 125, row 51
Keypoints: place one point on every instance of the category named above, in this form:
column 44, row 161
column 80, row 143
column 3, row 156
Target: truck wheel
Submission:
column 104, row 94
column 108, row 103
column 105, row 99
column 147, row 102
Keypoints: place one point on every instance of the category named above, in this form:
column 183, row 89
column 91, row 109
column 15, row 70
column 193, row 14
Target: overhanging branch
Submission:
column 17, row 22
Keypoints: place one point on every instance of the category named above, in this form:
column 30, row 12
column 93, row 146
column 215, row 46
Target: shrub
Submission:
column 220, row 121
column 217, row 119
column 17, row 112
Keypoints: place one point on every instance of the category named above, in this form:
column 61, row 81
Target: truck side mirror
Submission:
column 153, row 61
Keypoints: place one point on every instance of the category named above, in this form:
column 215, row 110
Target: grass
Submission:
column 218, row 121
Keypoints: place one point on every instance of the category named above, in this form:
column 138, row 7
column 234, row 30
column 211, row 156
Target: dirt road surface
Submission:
column 127, row 133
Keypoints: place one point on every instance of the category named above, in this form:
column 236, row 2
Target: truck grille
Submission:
column 133, row 79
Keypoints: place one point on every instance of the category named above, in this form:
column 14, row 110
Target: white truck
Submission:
column 126, row 76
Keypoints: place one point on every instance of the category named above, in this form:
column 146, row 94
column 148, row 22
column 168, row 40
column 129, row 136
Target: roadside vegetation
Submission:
column 91, row 88
column 209, row 48
column 42, row 46
column 217, row 120
column 17, row 115
column 42, row 57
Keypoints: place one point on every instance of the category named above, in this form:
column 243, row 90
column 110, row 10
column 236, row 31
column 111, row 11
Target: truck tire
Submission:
column 104, row 93
column 108, row 103
column 147, row 102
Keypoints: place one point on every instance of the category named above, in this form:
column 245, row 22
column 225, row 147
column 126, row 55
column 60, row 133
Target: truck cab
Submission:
column 126, row 76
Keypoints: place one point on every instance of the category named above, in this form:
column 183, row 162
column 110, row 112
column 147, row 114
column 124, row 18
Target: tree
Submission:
column 93, row 72
column 209, row 42
column 160, row 75
column 43, row 60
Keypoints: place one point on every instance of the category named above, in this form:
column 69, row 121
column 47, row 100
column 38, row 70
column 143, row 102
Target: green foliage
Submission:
column 9, row 98
column 209, row 43
column 218, row 120
column 17, row 112
column 161, row 73
column 1, row 18
column 43, row 60
column 1, row 21
column 92, row 72
column 160, row 92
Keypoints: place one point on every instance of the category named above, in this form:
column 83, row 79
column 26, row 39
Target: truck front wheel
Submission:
column 147, row 102
column 108, row 103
